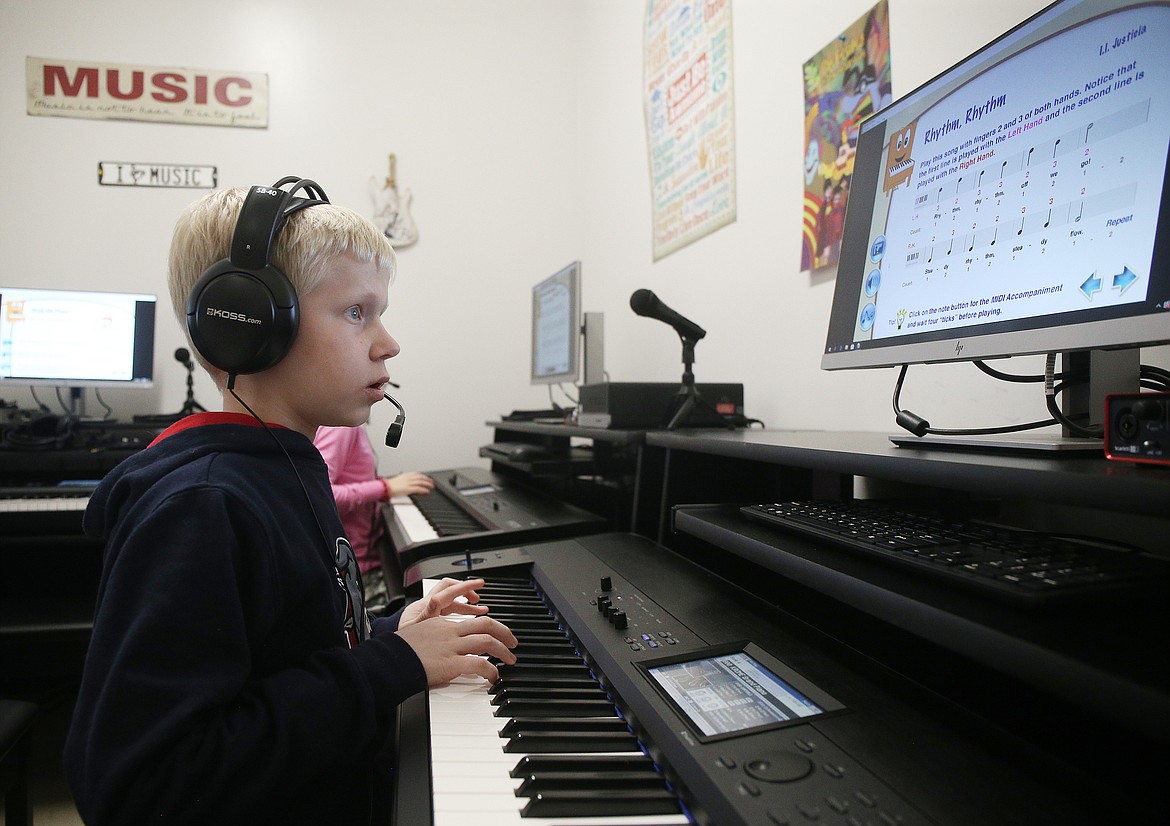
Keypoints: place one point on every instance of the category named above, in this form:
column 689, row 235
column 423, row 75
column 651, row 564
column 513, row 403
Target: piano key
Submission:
column 517, row 724
column 538, row 681
column 554, row 708
column 536, row 693
column 621, row 802
column 577, row 762
column 560, row 742
column 543, row 670
column 568, row 781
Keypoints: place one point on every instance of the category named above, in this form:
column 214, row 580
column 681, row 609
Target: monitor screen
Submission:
column 74, row 338
column 556, row 327
column 1017, row 203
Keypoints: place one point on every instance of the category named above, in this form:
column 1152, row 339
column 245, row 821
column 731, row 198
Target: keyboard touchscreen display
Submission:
column 730, row 692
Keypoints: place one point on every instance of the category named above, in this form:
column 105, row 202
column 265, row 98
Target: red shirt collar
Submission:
column 201, row 419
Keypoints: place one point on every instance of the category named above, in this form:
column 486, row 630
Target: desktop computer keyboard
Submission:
column 1024, row 568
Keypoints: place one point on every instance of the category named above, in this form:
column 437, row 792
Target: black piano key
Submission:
column 565, row 648
column 571, row 742
column 550, row 682
column 536, row 660
column 445, row 516
column 589, row 781
column 539, row 633
column 525, row 623
column 519, row 724
column 544, row 670
column 511, row 598
column 517, row 609
column 555, row 708
column 543, row 693
column 544, row 763
column 611, row 803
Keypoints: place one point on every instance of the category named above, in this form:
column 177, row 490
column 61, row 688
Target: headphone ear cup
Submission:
column 242, row 320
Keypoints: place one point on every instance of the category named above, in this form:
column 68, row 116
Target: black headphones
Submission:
column 242, row 314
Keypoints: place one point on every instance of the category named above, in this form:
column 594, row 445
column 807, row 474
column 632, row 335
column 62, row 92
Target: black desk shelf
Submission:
column 1078, row 654
column 606, row 477
column 1088, row 482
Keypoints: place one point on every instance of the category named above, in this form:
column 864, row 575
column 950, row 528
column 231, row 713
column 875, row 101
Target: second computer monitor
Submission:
column 556, row 327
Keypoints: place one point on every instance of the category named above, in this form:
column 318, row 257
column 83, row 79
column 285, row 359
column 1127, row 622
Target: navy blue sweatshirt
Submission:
column 218, row 685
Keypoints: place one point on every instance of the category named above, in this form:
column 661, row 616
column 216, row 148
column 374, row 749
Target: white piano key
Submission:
column 43, row 504
column 410, row 521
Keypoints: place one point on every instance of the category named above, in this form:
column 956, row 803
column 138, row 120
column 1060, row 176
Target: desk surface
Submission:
column 599, row 434
column 1084, row 481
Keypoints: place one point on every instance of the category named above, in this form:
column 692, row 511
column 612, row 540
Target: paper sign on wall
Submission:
column 120, row 91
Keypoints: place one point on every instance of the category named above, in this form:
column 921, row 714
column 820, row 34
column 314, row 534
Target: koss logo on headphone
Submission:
column 243, row 313
column 230, row 316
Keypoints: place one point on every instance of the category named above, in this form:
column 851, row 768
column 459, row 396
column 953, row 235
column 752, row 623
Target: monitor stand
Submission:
column 1109, row 371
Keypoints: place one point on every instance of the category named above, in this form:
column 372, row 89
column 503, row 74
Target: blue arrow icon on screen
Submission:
column 1092, row 285
column 1123, row 279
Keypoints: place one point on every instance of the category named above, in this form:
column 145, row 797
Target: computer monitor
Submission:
column 1017, row 203
column 556, row 327
column 76, row 338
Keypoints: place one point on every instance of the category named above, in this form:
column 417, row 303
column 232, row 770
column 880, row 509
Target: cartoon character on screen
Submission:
column 900, row 160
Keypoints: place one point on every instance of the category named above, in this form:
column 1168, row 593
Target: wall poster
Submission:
column 690, row 123
column 843, row 83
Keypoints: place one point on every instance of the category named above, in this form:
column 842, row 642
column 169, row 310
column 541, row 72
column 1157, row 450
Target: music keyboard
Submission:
column 48, row 499
column 545, row 745
column 741, row 715
column 472, row 508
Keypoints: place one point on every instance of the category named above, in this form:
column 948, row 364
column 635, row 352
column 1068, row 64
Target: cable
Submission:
column 1150, row 377
column 44, row 408
column 1050, row 391
column 292, row 464
column 568, row 395
column 98, row 395
column 921, row 427
column 344, row 569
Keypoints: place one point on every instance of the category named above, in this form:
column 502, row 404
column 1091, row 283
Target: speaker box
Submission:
column 1137, row 428
column 641, row 405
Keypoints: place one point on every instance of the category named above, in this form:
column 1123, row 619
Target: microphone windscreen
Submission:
column 182, row 355
column 643, row 301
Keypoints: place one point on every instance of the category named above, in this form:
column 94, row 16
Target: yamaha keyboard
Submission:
column 472, row 508
column 647, row 691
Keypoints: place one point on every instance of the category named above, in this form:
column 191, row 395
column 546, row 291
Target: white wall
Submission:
column 518, row 126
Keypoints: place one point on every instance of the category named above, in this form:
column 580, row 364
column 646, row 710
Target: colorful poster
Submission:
column 690, row 123
column 843, row 83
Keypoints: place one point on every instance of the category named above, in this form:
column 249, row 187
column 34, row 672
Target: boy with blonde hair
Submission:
column 233, row 674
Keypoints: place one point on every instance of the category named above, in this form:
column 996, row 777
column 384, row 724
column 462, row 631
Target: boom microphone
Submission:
column 394, row 431
column 646, row 303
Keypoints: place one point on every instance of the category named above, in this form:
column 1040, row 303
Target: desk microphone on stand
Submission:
column 183, row 356
column 688, row 408
column 190, row 406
